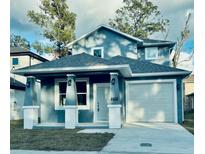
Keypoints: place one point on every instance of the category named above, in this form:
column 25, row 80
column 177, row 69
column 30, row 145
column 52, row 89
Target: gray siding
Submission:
column 49, row 114
column 116, row 44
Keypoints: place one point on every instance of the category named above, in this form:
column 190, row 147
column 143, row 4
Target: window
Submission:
column 62, row 93
column 98, row 52
column 151, row 53
column 82, row 86
column 15, row 61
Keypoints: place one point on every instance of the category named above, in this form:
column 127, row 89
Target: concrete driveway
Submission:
column 151, row 138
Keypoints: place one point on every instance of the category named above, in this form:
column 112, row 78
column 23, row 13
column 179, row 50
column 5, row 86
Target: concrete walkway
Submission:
column 156, row 138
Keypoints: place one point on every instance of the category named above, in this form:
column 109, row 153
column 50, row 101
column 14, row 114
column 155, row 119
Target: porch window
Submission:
column 82, row 86
column 98, row 52
column 62, row 93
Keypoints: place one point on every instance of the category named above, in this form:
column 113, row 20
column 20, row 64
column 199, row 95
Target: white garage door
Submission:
column 150, row 101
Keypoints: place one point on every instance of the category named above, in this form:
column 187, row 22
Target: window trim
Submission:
column 56, row 89
column 101, row 48
column 16, row 59
column 151, row 58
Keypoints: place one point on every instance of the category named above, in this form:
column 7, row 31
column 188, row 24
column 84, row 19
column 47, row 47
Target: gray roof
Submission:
column 15, row 84
column 19, row 51
column 86, row 60
column 142, row 66
column 154, row 41
column 79, row 60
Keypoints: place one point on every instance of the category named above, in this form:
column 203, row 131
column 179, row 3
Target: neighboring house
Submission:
column 88, row 91
column 106, row 42
column 17, row 94
column 19, row 58
column 189, row 93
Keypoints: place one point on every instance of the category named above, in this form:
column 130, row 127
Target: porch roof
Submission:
column 86, row 63
column 77, row 63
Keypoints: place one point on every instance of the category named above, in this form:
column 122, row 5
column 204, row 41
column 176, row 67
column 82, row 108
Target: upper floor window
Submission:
column 151, row 53
column 98, row 52
column 15, row 61
column 82, row 87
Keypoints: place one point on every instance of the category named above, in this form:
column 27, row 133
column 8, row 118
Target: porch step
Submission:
column 93, row 125
column 62, row 125
column 49, row 126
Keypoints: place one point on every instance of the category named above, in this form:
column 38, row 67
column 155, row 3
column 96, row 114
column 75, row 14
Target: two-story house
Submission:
column 112, row 78
column 19, row 58
column 106, row 42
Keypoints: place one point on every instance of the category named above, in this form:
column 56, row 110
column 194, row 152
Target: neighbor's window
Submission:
column 98, row 52
column 82, row 92
column 15, row 61
column 151, row 53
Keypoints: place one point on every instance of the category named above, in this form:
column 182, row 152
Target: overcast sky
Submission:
column 91, row 13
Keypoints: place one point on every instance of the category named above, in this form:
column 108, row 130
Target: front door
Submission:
column 101, row 101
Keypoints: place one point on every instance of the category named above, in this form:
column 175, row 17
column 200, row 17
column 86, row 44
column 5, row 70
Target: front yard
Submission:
column 55, row 139
column 189, row 121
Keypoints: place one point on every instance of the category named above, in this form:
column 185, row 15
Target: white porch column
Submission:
column 71, row 112
column 114, row 106
column 31, row 106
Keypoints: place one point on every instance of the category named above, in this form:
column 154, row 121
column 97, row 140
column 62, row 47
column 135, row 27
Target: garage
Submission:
column 151, row 101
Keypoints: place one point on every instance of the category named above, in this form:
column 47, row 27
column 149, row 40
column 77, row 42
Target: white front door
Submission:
column 101, row 97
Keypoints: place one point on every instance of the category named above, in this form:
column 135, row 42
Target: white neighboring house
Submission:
column 19, row 58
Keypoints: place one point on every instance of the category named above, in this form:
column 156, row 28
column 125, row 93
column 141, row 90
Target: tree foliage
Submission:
column 180, row 42
column 18, row 41
column 139, row 18
column 57, row 22
column 42, row 48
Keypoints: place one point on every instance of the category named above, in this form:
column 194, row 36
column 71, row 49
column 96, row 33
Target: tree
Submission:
column 139, row 18
column 42, row 48
column 18, row 41
column 57, row 22
column 180, row 43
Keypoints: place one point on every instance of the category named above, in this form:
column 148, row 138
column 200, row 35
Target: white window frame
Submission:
column 56, row 89
column 97, row 48
column 148, row 50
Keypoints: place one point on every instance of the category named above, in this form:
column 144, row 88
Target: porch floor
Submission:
column 80, row 125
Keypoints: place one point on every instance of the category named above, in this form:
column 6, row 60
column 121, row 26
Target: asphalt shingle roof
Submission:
column 16, row 84
column 83, row 59
column 155, row 41
column 142, row 66
column 79, row 60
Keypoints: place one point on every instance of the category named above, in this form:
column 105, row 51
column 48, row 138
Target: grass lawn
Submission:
column 55, row 139
column 189, row 122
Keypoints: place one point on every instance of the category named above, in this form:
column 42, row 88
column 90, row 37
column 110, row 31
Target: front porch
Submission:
column 96, row 105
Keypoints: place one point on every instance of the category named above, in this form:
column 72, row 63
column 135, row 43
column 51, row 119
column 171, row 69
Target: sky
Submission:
column 91, row 13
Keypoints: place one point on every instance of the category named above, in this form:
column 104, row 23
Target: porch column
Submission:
column 114, row 106
column 31, row 106
column 71, row 112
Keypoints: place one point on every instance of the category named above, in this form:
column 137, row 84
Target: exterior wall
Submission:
column 48, row 112
column 188, row 100
column 16, row 103
column 115, row 44
column 163, row 57
column 179, row 92
column 189, row 88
